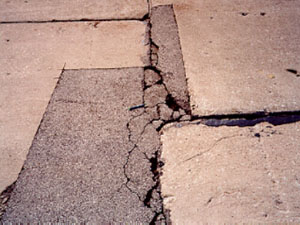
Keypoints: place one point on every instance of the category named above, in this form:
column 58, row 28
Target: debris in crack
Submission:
column 168, row 59
column 166, row 100
column 4, row 197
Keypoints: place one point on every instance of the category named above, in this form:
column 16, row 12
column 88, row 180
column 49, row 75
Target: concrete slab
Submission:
column 237, row 53
column 35, row 10
column 231, row 174
column 32, row 58
column 76, row 168
column 166, row 54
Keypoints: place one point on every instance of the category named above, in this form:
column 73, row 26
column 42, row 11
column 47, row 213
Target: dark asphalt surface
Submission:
column 74, row 171
column 94, row 160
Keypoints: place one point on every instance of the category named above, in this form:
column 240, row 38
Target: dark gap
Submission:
column 244, row 13
column 4, row 198
column 171, row 103
column 245, row 120
column 77, row 20
column 292, row 71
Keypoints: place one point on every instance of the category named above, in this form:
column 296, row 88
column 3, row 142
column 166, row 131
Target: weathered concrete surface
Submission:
column 82, row 157
column 166, row 54
column 35, row 10
column 236, row 54
column 232, row 174
column 32, row 57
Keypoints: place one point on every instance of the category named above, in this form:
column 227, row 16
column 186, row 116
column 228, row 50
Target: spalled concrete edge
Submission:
column 170, row 110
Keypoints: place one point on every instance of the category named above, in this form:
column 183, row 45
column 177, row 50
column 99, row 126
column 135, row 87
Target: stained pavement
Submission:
column 233, row 148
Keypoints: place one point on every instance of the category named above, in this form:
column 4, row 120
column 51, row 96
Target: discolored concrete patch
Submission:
column 232, row 174
column 33, row 56
column 34, row 10
column 237, row 54
column 79, row 166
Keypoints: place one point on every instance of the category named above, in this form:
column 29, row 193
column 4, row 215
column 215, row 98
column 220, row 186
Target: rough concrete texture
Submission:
column 84, row 164
column 237, row 53
column 166, row 54
column 35, row 10
column 32, row 57
column 231, row 174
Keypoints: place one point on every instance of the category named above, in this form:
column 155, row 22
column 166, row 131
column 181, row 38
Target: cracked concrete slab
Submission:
column 166, row 55
column 240, row 56
column 33, row 56
column 35, row 10
column 232, row 174
column 74, row 171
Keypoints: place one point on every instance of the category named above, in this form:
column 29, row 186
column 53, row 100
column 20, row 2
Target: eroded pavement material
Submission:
column 96, row 155
column 79, row 168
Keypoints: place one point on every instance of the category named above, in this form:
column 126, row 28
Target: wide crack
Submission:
column 160, row 107
column 163, row 105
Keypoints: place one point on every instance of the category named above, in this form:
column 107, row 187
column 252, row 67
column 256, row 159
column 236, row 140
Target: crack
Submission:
column 209, row 149
column 247, row 120
column 106, row 68
column 76, row 102
column 4, row 198
column 142, row 19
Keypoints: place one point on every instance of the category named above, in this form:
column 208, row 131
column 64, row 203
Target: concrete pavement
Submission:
column 33, row 57
column 237, row 53
column 240, row 58
column 220, row 163
column 34, row 10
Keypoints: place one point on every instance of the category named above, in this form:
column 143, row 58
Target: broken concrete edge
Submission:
column 166, row 54
column 4, row 198
column 240, row 120
column 184, row 118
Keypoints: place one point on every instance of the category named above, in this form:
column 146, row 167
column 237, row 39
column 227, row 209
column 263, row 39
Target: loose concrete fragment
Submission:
column 154, row 95
column 32, row 57
column 231, row 174
column 237, row 53
column 176, row 115
column 74, row 171
column 153, row 112
column 165, row 112
column 149, row 143
column 151, row 77
column 35, row 10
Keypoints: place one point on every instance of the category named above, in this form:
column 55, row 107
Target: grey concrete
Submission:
column 237, row 53
column 35, row 10
column 166, row 53
column 232, row 175
column 78, row 166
